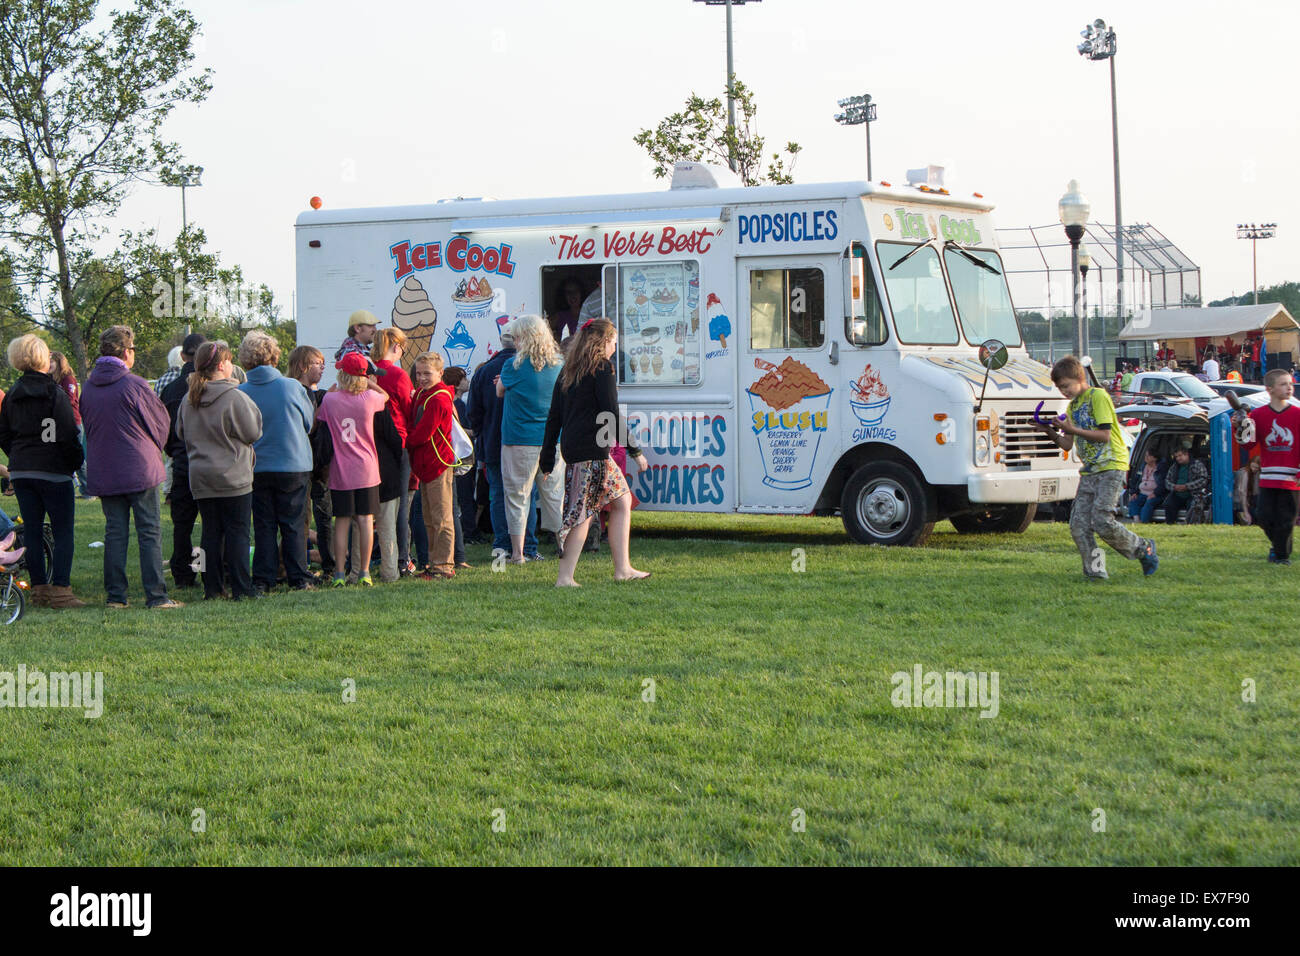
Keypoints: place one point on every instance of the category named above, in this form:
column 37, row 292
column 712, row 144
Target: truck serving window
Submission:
column 787, row 308
column 864, row 324
column 983, row 302
column 656, row 306
column 918, row 295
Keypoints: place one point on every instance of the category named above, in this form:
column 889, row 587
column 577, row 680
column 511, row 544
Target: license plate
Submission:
column 1047, row 489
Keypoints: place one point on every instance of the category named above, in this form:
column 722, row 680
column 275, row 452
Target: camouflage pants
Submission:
column 1094, row 514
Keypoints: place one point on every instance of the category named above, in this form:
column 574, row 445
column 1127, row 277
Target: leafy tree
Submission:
column 81, row 111
column 1287, row 293
column 700, row 134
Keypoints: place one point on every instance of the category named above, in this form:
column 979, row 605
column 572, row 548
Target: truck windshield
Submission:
column 918, row 296
column 983, row 302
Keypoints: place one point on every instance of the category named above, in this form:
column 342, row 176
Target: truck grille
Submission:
column 1022, row 442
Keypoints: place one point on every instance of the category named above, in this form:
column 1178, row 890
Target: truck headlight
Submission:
column 983, row 448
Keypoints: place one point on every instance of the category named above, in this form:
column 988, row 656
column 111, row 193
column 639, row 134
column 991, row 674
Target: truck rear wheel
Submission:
column 884, row 502
column 1008, row 519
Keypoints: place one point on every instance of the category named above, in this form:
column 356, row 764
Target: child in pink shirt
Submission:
column 354, row 467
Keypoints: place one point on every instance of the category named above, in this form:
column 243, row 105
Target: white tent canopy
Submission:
column 1212, row 323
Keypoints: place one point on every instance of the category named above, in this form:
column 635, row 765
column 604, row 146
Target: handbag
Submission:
column 462, row 447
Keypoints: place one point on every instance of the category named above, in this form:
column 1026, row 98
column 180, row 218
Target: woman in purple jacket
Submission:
column 126, row 429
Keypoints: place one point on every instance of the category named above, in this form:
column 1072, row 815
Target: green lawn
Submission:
column 772, row 693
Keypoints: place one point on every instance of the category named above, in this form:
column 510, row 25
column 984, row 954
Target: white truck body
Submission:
column 771, row 347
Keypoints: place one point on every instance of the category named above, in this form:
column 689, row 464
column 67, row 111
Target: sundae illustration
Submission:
column 869, row 397
column 637, row 282
column 459, row 346
column 664, row 301
column 415, row 315
column 719, row 325
column 473, row 297
column 789, row 403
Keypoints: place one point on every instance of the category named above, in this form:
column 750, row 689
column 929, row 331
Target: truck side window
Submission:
column 864, row 323
column 787, row 308
column 657, row 308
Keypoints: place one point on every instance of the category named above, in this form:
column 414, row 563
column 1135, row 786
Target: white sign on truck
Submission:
column 782, row 349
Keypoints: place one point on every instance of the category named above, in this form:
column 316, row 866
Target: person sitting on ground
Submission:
column 281, row 467
column 126, row 429
column 219, row 425
column 1147, row 487
column 1187, row 482
column 348, row 412
column 38, row 433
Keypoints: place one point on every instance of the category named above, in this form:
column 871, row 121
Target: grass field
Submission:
column 497, row 698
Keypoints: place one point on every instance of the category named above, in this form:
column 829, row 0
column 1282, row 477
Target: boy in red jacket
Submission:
column 1277, row 427
column 428, row 441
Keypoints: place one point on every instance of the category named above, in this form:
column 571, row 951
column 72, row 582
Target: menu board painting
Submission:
column 660, row 317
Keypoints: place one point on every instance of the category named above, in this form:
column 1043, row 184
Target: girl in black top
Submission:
column 584, row 418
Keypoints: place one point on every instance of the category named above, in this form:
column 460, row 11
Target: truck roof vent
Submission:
column 688, row 175
column 931, row 176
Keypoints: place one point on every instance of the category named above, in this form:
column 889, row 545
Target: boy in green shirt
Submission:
column 1091, row 420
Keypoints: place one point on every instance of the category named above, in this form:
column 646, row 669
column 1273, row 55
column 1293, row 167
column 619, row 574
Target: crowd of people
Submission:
column 280, row 474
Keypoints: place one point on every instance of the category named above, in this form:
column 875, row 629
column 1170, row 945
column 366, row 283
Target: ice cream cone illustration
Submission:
column 719, row 325
column 415, row 315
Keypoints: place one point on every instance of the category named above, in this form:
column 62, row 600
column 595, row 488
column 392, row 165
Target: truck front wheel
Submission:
column 1006, row 519
column 885, row 503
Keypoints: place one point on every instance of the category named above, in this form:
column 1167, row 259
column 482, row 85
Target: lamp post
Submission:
column 1254, row 233
column 731, row 72
column 188, row 178
column 1099, row 44
column 1074, row 209
column 1085, row 260
column 859, row 110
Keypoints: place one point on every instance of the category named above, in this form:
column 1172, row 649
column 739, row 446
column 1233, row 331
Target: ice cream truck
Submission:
column 796, row 349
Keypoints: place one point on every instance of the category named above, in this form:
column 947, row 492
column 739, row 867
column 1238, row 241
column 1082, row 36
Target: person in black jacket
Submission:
column 185, row 510
column 485, row 409
column 38, row 432
column 585, row 419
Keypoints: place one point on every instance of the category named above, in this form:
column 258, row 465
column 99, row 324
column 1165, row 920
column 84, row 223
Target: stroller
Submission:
column 13, row 591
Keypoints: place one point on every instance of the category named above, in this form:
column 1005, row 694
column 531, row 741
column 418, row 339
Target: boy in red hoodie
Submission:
column 428, row 442
column 1277, row 428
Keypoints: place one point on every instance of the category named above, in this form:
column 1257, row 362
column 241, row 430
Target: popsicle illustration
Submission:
column 719, row 325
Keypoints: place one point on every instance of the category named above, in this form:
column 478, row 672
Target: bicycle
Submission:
column 13, row 590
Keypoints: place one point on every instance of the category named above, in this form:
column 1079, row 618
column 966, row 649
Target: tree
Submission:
column 700, row 134
column 80, row 122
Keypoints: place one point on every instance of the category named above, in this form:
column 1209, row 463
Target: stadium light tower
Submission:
column 1099, row 44
column 1254, row 233
column 859, row 110
column 731, row 71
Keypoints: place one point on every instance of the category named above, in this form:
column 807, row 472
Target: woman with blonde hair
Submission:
column 281, row 466
column 386, row 351
column 219, row 425
column 583, row 407
column 526, row 383
column 39, row 434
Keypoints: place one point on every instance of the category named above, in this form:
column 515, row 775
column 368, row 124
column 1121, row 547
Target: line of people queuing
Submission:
column 257, row 457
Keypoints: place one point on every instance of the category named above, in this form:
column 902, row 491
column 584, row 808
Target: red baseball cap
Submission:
column 354, row 363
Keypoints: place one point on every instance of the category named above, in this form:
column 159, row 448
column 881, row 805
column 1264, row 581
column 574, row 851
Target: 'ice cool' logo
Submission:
column 1279, row 437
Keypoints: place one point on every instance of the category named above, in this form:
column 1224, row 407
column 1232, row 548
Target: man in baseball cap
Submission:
column 361, row 332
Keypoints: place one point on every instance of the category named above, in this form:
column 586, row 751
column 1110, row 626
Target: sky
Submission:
column 390, row 103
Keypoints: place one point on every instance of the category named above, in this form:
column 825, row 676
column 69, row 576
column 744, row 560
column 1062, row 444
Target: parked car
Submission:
column 1241, row 389
column 1172, row 385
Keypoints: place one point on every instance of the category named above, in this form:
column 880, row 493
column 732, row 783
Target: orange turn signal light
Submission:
column 940, row 416
column 982, row 425
column 940, row 439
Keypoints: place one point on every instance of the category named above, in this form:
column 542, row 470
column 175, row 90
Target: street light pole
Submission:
column 859, row 110
column 731, row 74
column 1085, row 261
column 1099, row 43
column 1074, row 209
column 189, row 177
column 1254, row 233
